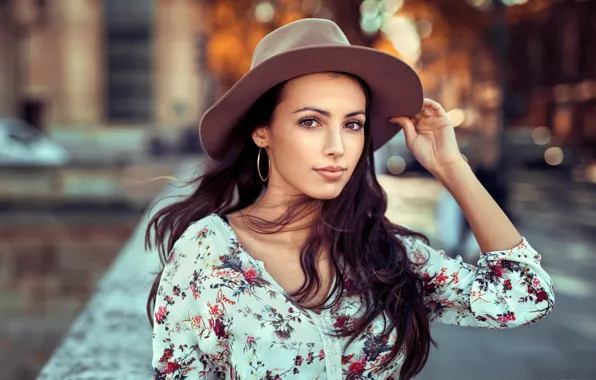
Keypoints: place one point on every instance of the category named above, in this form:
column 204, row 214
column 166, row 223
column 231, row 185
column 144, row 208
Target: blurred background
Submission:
column 99, row 96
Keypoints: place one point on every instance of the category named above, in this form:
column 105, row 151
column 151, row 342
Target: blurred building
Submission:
column 109, row 64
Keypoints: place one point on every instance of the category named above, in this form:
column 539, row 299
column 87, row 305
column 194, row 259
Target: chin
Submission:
column 325, row 193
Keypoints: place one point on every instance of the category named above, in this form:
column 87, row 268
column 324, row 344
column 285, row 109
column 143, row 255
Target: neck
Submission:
column 289, row 218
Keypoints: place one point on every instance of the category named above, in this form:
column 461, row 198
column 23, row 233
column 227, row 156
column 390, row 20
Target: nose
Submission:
column 334, row 145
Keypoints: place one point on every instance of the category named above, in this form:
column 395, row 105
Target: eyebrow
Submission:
column 327, row 113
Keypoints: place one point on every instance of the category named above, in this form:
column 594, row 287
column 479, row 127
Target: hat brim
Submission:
column 395, row 89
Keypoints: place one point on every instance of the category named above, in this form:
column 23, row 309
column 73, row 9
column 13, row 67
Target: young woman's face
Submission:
column 316, row 135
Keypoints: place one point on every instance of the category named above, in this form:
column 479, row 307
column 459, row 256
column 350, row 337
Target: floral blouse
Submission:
column 220, row 315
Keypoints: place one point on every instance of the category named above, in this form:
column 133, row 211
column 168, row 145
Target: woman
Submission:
column 282, row 265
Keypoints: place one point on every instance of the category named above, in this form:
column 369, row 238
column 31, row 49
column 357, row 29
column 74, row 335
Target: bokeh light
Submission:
column 541, row 135
column 554, row 156
column 396, row 165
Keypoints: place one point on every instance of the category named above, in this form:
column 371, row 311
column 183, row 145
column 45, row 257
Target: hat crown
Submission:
column 298, row 34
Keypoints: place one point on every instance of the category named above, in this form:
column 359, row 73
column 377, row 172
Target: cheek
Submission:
column 294, row 151
column 354, row 148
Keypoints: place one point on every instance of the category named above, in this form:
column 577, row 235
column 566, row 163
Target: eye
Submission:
column 355, row 125
column 309, row 123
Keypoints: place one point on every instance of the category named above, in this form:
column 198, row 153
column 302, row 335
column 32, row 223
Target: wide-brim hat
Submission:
column 311, row 46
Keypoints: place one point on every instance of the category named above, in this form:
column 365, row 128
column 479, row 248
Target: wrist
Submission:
column 452, row 172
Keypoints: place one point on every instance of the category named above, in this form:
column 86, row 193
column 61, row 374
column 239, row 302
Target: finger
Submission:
column 435, row 106
column 408, row 127
column 427, row 111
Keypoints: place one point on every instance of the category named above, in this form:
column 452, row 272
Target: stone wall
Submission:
column 49, row 267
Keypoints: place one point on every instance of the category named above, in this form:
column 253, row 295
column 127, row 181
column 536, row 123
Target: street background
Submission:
column 99, row 105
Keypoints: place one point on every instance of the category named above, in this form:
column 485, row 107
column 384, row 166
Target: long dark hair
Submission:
column 352, row 227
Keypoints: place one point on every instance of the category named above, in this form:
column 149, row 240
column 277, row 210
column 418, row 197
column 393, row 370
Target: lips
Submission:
column 331, row 173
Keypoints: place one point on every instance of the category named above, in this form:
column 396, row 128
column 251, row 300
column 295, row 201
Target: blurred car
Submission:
column 23, row 144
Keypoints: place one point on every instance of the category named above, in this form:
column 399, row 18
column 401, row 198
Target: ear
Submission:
column 261, row 136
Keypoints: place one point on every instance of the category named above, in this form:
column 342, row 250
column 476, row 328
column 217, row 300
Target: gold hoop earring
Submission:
column 259, row 166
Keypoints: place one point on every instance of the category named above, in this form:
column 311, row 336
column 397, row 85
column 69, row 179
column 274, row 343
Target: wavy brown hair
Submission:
column 352, row 227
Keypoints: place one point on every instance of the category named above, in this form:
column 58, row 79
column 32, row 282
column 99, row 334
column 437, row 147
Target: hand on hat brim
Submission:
column 430, row 136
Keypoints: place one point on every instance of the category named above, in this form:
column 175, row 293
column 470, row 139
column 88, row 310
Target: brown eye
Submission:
column 308, row 123
column 355, row 125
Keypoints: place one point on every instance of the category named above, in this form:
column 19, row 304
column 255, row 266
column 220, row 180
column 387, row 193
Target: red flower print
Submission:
column 507, row 285
column 215, row 311
column 341, row 321
column 541, row 296
column 441, row 278
column 282, row 334
column 510, row 316
column 309, row 358
column 250, row 339
column 536, row 282
column 497, row 270
column 196, row 322
column 419, row 258
column 172, row 367
column 161, row 314
column 193, row 289
column 168, row 353
column 250, row 276
column 298, row 360
column 321, row 355
column 346, row 359
column 357, row 368
column 219, row 329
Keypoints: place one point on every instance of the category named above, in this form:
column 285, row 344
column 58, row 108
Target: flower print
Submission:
column 161, row 315
column 168, row 353
column 357, row 368
column 441, row 278
column 497, row 268
column 172, row 367
column 196, row 322
column 310, row 358
column 536, row 282
column 250, row 275
column 172, row 256
column 418, row 257
column 215, row 310
column 219, row 328
column 541, row 296
column 321, row 355
column 346, row 359
column 195, row 292
column 507, row 317
column 341, row 321
column 236, row 299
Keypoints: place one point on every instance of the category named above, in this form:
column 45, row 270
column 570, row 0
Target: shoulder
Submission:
column 200, row 237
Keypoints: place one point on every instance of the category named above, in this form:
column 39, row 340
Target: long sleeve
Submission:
column 176, row 352
column 507, row 289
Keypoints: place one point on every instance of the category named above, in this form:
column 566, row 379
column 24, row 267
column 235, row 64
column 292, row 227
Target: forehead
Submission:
column 322, row 87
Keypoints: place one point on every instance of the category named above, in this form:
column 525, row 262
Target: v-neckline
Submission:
column 261, row 265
